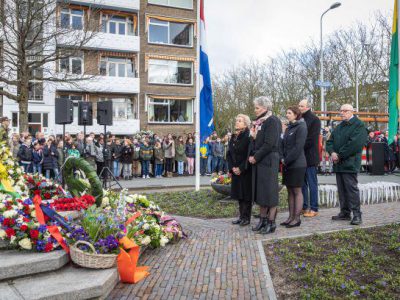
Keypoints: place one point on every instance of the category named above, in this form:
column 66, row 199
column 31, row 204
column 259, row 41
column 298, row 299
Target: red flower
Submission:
column 10, row 232
column 47, row 195
column 26, row 219
column 34, row 234
column 48, row 247
column 23, row 227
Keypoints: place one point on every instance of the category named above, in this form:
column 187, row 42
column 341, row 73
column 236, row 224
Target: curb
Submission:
column 269, row 283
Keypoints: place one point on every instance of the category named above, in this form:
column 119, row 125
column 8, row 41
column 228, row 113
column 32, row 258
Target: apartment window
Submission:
column 170, row 111
column 35, row 91
column 175, row 3
column 118, row 25
column 117, row 67
column 72, row 18
column 124, row 108
column 164, row 32
column 170, row 72
column 72, row 65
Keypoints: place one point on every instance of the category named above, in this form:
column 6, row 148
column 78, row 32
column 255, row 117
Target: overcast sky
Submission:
column 240, row 29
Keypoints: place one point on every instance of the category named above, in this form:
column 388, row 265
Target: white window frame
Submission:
column 168, row 25
column 170, row 5
column 167, row 102
column 108, row 18
column 135, row 105
column 71, row 14
column 164, row 83
column 128, row 61
column 70, row 59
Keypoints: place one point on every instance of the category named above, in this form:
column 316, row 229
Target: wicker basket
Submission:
column 92, row 260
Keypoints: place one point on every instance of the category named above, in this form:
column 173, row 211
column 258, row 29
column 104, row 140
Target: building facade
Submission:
column 142, row 57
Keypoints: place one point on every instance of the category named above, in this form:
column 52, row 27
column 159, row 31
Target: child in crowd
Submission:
column 190, row 154
column 146, row 154
column 136, row 169
column 204, row 151
column 158, row 159
column 126, row 159
column 37, row 157
column 73, row 151
column 180, row 155
column 25, row 154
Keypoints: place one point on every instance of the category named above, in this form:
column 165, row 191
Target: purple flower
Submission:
column 356, row 293
column 296, row 266
column 121, row 227
column 343, row 286
column 42, row 228
column 303, row 265
column 383, row 283
column 333, row 270
column 306, row 286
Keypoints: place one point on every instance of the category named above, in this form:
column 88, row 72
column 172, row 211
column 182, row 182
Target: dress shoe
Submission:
column 261, row 224
column 244, row 223
column 341, row 217
column 237, row 222
column 270, row 228
column 294, row 225
column 285, row 223
column 310, row 214
column 356, row 220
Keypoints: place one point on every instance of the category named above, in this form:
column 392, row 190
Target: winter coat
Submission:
column 50, row 157
column 169, row 149
column 237, row 157
column 99, row 152
column 265, row 149
column 126, row 154
column 80, row 147
column 293, row 145
column 347, row 140
column 146, row 152
column 180, row 152
column 190, row 150
column 37, row 156
column 116, row 151
column 136, row 152
column 218, row 149
column 25, row 154
column 311, row 148
column 158, row 155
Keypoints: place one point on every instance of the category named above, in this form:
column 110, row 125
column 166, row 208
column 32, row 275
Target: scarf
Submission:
column 257, row 123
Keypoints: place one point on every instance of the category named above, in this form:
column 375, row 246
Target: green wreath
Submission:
column 76, row 185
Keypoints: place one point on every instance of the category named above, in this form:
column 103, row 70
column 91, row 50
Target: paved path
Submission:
column 222, row 261
column 159, row 183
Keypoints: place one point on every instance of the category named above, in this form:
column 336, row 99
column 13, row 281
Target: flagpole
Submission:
column 197, row 157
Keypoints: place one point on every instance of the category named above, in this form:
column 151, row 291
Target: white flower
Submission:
column 3, row 234
column 20, row 206
column 25, row 244
column 12, row 240
column 11, row 163
column 141, row 197
column 146, row 226
column 135, row 196
column 9, row 213
column 129, row 199
column 33, row 214
column 2, row 205
column 32, row 206
column 11, row 171
column 163, row 241
column 146, row 240
column 105, row 202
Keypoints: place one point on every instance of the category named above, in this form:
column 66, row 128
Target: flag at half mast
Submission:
column 206, row 102
column 394, row 102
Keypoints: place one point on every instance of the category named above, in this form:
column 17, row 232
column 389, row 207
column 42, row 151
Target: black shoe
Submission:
column 270, row 228
column 341, row 217
column 261, row 224
column 244, row 223
column 294, row 225
column 237, row 222
column 356, row 220
column 285, row 223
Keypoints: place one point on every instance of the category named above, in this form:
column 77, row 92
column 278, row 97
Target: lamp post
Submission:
column 333, row 6
column 356, row 63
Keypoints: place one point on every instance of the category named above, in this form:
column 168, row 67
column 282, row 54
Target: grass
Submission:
column 363, row 263
column 203, row 204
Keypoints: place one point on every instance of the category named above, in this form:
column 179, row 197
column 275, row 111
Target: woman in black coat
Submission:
column 50, row 158
column 239, row 167
column 264, row 156
column 294, row 164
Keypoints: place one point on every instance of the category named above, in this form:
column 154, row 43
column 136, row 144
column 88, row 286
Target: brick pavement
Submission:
column 222, row 261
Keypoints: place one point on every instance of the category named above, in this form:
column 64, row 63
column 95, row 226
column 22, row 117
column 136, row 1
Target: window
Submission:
column 170, row 72
column 175, row 3
column 72, row 18
column 117, row 67
column 163, row 32
column 72, row 65
column 14, row 119
column 35, row 91
column 118, row 25
column 124, row 108
column 170, row 111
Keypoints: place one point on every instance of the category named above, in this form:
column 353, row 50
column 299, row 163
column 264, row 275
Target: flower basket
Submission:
column 92, row 260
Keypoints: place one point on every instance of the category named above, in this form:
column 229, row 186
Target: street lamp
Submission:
column 356, row 63
column 333, row 6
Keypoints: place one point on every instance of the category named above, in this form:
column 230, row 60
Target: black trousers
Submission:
column 245, row 209
column 349, row 194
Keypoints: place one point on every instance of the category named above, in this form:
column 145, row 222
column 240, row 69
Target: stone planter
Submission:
column 223, row 189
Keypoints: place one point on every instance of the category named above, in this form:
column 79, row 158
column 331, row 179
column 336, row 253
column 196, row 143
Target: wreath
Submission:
column 90, row 183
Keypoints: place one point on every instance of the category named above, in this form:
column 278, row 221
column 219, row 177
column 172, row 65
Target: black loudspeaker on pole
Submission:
column 85, row 114
column 64, row 111
column 105, row 113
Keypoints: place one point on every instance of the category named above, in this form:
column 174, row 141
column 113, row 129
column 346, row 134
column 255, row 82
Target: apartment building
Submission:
column 142, row 57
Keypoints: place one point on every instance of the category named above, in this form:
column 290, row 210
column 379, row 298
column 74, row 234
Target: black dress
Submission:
column 295, row 163
column 237, row 157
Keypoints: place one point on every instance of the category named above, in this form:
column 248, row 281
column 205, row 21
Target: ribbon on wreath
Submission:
column 55, row 233
column 128, row 257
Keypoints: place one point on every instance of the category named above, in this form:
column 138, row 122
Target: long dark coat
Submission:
column 311, row 148
column 265, row 149
column 237, row 157
column 50, row 161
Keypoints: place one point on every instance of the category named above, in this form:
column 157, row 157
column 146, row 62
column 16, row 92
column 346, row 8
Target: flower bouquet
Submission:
column 222, row 179
column 76, row 203
column 46, row 188
column 222, row 184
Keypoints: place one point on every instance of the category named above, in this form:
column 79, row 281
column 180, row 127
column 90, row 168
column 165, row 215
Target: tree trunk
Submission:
column 23, row 109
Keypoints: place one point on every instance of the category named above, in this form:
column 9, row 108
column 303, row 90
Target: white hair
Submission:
column 246, row 119
column 263, row 101
column 348, row 107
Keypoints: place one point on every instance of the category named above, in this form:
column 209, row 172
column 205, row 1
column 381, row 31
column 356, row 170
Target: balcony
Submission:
column 103, row 41
column 125, row 127
column 102, row 84
column 124, row 5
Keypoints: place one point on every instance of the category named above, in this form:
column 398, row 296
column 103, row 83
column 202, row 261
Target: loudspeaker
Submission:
column 104, row 113
column 377, row 159
column 64, row 111
column 85, row 113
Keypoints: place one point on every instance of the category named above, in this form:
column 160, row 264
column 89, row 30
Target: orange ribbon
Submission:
column 55, row 233
column 128, row 270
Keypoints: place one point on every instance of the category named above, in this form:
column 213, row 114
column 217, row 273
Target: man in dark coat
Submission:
column 310, row 187
column 345, row 147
